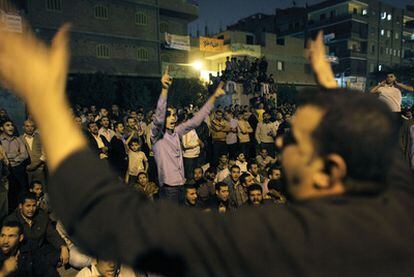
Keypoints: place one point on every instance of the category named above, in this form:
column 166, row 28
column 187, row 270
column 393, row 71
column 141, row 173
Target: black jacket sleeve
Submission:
column 108, row 220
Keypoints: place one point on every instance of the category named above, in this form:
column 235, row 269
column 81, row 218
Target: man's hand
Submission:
column 316, row 56
column 64, row 255
column 219, row 90
column 166, row 80
column 30, row 68
column 10, row 265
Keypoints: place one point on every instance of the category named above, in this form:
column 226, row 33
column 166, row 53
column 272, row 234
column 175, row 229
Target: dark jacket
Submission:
column 40, row 234
column 118, row 157
column 344, row 235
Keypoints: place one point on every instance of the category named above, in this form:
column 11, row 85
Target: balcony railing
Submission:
column 331, row 20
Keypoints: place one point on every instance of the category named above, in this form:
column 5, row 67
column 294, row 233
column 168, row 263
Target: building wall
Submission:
column 129, row 32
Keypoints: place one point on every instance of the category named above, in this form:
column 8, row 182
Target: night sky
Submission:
column 227, row 12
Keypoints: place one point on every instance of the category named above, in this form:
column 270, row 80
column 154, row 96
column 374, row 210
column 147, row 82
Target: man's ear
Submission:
column 334, row 172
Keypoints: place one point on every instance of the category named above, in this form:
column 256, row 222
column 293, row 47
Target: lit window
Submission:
column 386, row 51
column 397, row 36
column 383, row 15
column 382, row 32
column 380, row 67
column 395, row 52
column 141, row 18
column 54, row 5
column 398, row 53
column 280, row 66
column 388, row 33
column 142, row 55
column 364, row 12
column 389, row 17
column 102, row 51
column 101, row 12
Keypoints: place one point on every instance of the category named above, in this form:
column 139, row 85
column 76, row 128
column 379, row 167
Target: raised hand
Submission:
column 219, row 90
column 316, row 56
column 30, row 68
column 166, row 79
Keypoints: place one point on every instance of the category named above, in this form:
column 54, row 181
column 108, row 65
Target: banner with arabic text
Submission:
column 177, row 42
column 211, row 44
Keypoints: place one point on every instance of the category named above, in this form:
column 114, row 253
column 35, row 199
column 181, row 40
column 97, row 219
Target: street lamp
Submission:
column 197, row 65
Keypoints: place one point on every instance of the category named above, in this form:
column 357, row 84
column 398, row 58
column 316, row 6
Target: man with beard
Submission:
column 255, row 195
column 354, row 196
column 42, row 243
column 165, row 137
column 17, row 157
column 265, row 134
column 98, row 143
column 11, row 260
column 105, row 129
column 221, row 202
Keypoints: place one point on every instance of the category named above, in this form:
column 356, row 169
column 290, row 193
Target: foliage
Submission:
column 104, row 90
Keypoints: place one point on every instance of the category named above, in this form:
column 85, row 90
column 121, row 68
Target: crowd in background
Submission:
column 231, row 161
column 252, row 75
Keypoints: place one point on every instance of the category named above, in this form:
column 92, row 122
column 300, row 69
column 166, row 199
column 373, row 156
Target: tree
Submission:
column 92, row 89
column 133, row 93
column 188, row 91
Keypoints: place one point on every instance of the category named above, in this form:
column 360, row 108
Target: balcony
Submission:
column 352, row 53
column 336, row 19
column 179, row 8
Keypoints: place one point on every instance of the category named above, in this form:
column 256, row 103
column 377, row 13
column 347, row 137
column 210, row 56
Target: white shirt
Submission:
column 242, row 165
column 29, row 140
column 190, row 140
column 391, row 96
column 107, row 133
column 231, row 137
column 136, row 162
column 93, row 272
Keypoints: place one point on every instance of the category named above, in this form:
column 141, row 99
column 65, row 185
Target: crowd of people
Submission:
column 252, row 75
column 201, row 191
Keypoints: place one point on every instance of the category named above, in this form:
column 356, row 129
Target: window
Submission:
column 387, row 51
column 399, row 53
column 280, row 41
column 101, row 12
column 389, row 17
column 365, row 12
column 371, row 67
column 102, row 51
column 397, row 36
column 380, row 67
column 164, row 27
column 373, row 49
column 355, row 11
column 141, row 18
column 382, row 32
column 395, row 52
column 383, row 15
column 249, row 39
column 388, row 34
column 280, row 66
column 142, row 54
column 54, row 5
